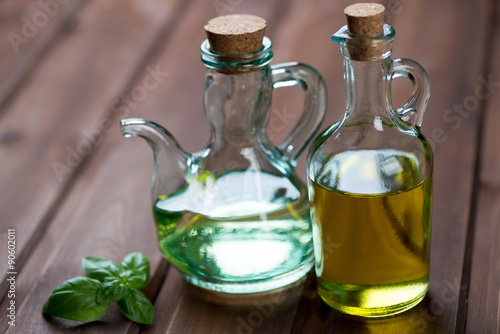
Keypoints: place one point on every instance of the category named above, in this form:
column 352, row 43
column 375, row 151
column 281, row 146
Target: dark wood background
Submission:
column 67, row 68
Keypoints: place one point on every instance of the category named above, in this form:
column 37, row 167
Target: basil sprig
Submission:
column 88, row 298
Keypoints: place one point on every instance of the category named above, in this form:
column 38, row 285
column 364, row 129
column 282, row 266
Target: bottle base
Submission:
column 251, row 286
column 241, row 257
column 373, row 301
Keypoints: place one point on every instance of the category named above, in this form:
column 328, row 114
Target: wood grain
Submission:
column 30, row 28
column 198, row 311
column 94, row 66
column 453, row 79
column 95, row 220
column 95, row 208
column 72, row 80
column 483, row 303
column 178, row 107
column 453, row 68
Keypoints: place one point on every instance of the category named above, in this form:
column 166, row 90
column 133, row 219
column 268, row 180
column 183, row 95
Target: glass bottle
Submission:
column 234, row 217
column 370, row 181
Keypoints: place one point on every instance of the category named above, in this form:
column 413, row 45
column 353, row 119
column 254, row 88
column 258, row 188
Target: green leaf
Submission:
column 137, row 270
column 112, row 289
column 75, row 299
column 137, row 307
column 136, row 261
column 99, row 268
column 134, row 278
column 87, row 299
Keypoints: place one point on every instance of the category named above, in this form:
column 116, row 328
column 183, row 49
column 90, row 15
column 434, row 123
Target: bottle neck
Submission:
column 235, row 104
column 368, row 95
column 237, row 93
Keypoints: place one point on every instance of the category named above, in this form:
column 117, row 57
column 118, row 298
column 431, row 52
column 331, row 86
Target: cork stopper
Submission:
column 365, row 20
column 235, row 34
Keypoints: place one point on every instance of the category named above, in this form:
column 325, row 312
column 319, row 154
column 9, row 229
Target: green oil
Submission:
column 240, row 233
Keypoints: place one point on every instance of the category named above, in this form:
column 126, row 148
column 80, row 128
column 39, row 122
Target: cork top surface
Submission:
column 235, row 34
column 365, row 19
column 364, row 9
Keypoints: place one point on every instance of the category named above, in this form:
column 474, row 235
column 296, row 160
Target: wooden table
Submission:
column 72, row 186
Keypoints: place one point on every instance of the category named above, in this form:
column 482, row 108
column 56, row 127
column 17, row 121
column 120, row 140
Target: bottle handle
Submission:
column 315, row 101
column 412, row 111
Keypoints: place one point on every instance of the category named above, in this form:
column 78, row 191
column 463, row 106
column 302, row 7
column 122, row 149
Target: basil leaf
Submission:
column 137, row 307
column 134, row 279
column 112, row 289
column 75, row 299
column 99, row 268
column 136, row 261
column 137, row 270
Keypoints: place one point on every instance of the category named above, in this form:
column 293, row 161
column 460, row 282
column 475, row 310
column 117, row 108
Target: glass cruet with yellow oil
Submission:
column 234, row 217
column 370, row 179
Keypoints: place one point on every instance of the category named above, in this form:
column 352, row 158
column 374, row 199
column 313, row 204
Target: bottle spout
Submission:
column 170, row 160
column 156, row 135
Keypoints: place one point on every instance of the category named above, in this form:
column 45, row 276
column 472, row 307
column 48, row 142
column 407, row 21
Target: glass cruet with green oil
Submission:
column 234, row 217
column 370, row 179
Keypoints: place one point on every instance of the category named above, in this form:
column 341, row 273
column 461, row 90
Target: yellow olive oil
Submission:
column 372, row 249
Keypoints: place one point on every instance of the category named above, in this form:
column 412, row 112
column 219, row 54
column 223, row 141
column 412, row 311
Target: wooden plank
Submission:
column 99, row 218
column 453, row 127
column 30, row 29
column 484, row 294
column 92, row 210
column 91, row 207
column 198, row 311
column 455, row 153
column 191, row 313
column 70, row 96
column 183, row 312
column 304, row 36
